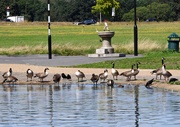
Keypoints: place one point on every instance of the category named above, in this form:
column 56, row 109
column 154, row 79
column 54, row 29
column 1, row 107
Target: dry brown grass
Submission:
column 144, row 45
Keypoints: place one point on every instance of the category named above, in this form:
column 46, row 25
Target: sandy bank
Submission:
column 19, row 70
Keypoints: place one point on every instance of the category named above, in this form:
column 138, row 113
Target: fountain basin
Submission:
column 106, row 49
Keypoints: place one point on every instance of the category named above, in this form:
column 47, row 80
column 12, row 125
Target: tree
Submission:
column 154, row 10
column 105, row 7
column 160, row 11
column 3, row 9
column 78, row 10
column 141, row 12
column 62, row 10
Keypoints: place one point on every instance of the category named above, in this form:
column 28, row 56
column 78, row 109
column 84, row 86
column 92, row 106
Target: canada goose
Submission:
column 165, row 73
column 79, row 74
column 95, row 78
column 149, row 83
column 158, row 71
column 63, row 76
column 103, row 76
column 10, row 79
column 136, row 71
column 68, row 76
column 129, row 73
column 43, row 75
column 114, row 72
column 57, row 78
column 110, row 82
column 29, row 74
column 8, row 73
column 172, row 80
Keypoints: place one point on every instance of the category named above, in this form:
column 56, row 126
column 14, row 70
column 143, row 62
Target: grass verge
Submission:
column 151, row 60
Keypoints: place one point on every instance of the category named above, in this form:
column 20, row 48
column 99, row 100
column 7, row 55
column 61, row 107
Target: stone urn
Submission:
column 106, row 42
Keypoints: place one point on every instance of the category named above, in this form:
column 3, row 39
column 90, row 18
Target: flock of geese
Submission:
column 102, row 77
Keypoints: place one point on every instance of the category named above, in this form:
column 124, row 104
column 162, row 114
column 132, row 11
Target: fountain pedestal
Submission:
column 106, row 50
column 106, row 43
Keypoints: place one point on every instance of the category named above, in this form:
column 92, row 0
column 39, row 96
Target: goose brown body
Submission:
column 95, row 78
column 103, row 76
column 128, row 74
column 7, row 74
column 43, row 75
column 158, row 71
column 136, row 71
column 56, row 78
column 165, row 73
column 79, row 74
column 10, row 79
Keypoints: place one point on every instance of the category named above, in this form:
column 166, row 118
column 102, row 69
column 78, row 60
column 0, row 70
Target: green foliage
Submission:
column 3, row 6
column 162, row 12
column 64, row 11
column 78, row 10
column 105, row 6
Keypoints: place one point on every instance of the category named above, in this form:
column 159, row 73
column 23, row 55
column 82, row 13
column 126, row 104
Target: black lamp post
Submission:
column 135, row 32
column 49, row 33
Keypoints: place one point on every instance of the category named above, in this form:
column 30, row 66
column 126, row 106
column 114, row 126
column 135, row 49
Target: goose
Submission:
column 158, row 71
column 149, row 83
column 136, row 71
column 57, row 78
column 95, row 78
column 103, row 76
column 10, row 79
column 63, row 76
column 43, row 75
column 68, row 76
column 165, row 73
column 29, row 74
column 114, row 72
column 172, row 80
column 129, row 73
column 110, row 82
column 79, row 74
column 7, row 74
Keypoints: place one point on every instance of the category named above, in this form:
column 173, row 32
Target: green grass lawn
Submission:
column 32, row 34
column 150, row 60
column 69, row 39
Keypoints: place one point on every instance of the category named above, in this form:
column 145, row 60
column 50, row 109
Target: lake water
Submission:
column 86, row 106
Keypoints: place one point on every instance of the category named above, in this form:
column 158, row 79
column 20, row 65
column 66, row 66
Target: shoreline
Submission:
column 19, row 71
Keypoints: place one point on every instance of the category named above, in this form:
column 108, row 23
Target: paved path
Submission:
column 42, row 60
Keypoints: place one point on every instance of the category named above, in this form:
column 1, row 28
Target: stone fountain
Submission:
column 106, row 50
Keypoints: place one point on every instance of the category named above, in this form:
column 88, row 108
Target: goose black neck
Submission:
column 137, row 66
column 164, row 66
column 113, row 65
column 162, row 61
column 132, row 66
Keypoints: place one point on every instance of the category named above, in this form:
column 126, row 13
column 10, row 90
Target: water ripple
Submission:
column 86, row 106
